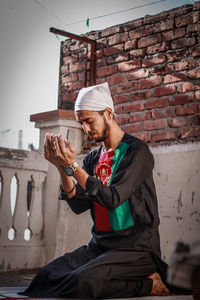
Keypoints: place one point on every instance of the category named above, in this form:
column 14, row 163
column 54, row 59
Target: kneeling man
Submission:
column 115, row 183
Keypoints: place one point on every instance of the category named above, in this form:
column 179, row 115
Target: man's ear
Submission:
column 108, row 113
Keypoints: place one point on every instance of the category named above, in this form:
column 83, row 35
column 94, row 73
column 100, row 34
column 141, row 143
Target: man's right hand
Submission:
column 49, row 151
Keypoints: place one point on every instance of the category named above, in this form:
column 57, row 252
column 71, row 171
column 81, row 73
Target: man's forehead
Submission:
column 81, row 115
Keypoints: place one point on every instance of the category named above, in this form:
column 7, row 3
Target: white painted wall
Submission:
column 177, row 180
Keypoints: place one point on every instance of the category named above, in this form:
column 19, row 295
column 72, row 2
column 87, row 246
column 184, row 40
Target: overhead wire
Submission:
column 45, row 8
column 113, row 13
column 86, row 21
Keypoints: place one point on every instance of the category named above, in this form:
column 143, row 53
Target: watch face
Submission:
column 69, row 171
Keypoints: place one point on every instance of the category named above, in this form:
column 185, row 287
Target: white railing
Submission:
column 22, row 195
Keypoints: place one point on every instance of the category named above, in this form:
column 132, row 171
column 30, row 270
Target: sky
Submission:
column 29, row 53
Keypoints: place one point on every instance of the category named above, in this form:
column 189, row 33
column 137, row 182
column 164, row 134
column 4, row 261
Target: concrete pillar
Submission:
column 58, row 121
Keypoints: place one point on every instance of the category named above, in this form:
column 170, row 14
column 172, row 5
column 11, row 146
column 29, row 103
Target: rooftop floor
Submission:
column 13, row 282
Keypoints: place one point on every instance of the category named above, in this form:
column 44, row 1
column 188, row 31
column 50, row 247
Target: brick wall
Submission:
column 152, row 65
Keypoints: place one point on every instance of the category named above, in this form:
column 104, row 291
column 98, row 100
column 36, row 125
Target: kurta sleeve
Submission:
column 131, row 173
column 80, row 202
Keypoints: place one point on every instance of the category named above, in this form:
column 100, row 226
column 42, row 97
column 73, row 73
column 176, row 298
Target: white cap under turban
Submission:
column 96, row 98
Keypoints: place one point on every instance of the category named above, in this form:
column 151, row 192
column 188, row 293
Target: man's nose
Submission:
column 86, row 128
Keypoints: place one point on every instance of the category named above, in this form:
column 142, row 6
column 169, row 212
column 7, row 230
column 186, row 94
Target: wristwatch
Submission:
column 69, row 170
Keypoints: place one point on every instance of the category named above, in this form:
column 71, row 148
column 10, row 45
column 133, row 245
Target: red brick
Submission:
column 180, row 10
column 177, row 55
column 70, row 59
column 194, row 74
column 141, row 73
column 155, row 124
column 173, row 34
column 101, row 43
column 62, row 89
column 138, row 33
column 127, row 87
column 115, row 59
column 197, row 95
column 129, row 65
column 112, row 91
column 70, row 78
column 197, row 120
column 163, row 136
column 169, row 89
column 159, row 59
column 188, row 132
column 196, row 51
column 101, row 62
column 118, row 78
column 182, row 21
column 99, row 53
column 110, row 31
column 132, row 24
column 182, row 99
column 130, row 45
column 118, row 108
column 64, row 69
column 138, row 53
column 69, row 96
column 186, row 64
column 140, row 96
column 164, row 113
column 164, row 25
column 77, row 66
column 65, row 50
column 133, row 128
column 170, row 78
column 117, row 38
column 77, row 85
column 105, row 71
column 149, row 40
column 139, row 116
column 161, row 47
column 122, row 119
column 76, row 46
column 196, row 6
column 81, row 75
column 133, row 107
column 183, row 42
column 187, row 87
column 189, row 109
column 157, row 103
column 82, row 55
column 150, row 82
column 100, row 80
column 112, row 50
column 180, row 122
column 162, row 70
column 144, row 136
column 196, row 16
column 193, row 28
column 155, row 18
column 120, row 99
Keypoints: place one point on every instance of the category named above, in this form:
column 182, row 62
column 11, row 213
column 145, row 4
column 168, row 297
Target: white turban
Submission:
column 96, row 98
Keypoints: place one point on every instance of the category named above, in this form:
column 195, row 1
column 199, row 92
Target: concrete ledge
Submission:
column 53, row 114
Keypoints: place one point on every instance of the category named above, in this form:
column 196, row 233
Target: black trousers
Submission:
column 88, row 272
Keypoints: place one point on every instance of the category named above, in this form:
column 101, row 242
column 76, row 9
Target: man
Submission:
column 116, row 185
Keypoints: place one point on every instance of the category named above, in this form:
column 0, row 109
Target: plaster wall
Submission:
column 177, row 180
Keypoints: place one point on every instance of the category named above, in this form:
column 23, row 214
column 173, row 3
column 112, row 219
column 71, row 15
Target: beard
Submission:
column 105, row 132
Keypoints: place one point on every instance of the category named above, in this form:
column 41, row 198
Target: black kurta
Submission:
column 117, row 261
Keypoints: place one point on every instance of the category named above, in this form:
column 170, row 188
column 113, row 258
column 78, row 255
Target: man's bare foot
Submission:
column 158, row 287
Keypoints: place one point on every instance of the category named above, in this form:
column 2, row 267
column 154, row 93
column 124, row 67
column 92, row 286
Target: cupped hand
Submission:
column 49, row 150
column 64, row 151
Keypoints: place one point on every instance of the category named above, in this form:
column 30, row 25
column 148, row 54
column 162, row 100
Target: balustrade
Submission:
column 22, row 188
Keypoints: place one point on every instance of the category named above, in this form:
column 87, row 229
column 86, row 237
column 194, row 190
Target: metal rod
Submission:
column 85, row 40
